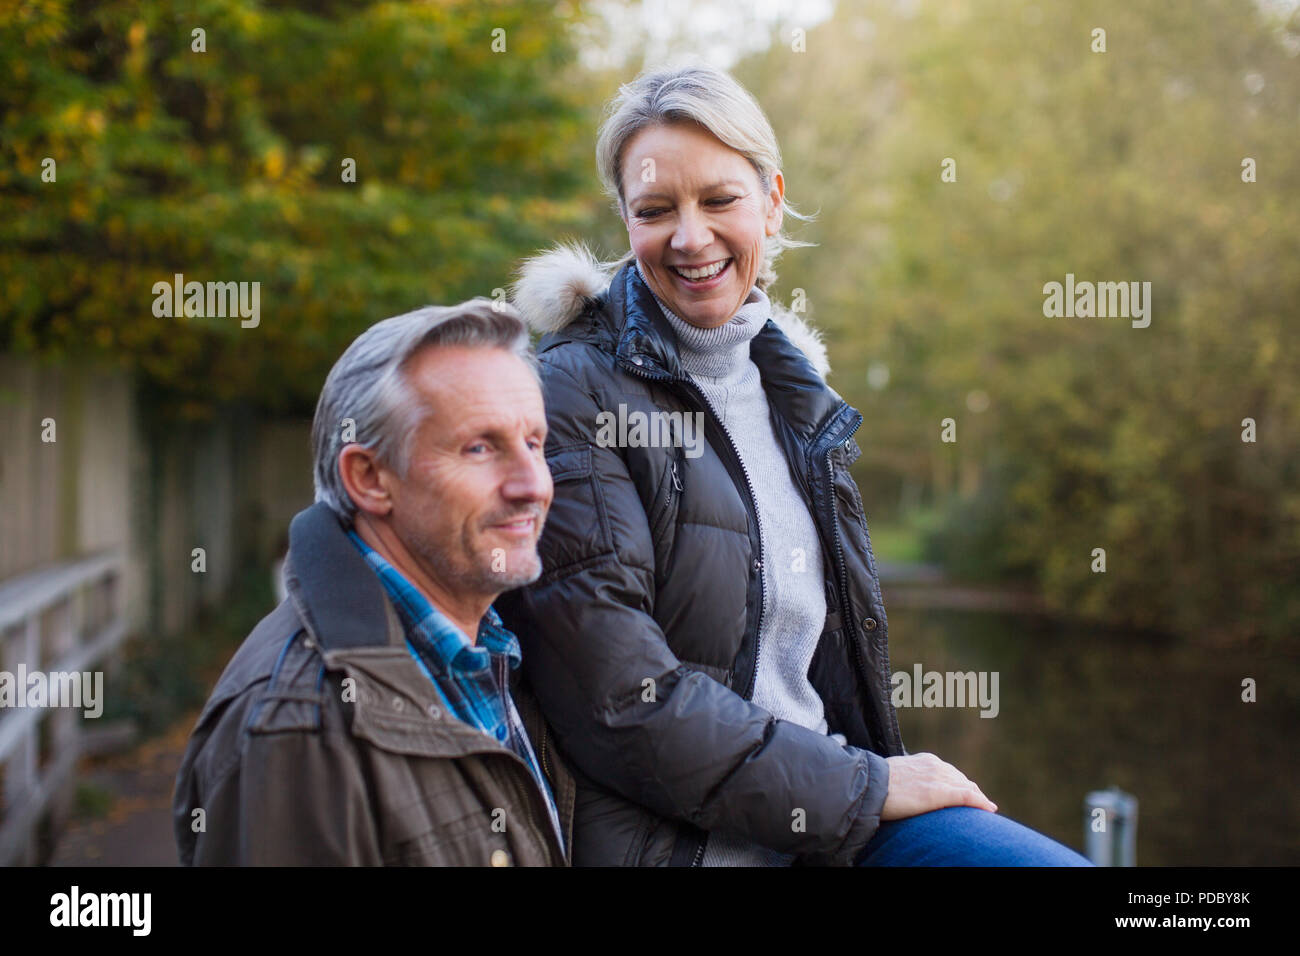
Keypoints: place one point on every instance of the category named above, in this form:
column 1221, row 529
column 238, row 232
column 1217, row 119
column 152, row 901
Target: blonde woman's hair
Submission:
column 694, row 92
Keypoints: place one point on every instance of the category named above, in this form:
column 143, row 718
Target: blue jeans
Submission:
column 963, row 836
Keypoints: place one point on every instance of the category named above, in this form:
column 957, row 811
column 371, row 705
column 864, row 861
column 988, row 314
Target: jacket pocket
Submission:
column 663, row 514
column 441, row 821
column 577, row 527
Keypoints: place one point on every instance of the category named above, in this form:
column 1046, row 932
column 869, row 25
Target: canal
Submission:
column 1083, row 709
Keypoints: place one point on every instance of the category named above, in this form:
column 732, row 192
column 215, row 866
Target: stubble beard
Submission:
column 476, row 575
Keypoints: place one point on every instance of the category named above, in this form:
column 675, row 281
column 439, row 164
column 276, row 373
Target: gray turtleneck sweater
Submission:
column 794, row 602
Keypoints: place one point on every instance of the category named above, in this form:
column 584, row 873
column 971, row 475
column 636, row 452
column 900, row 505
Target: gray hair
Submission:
column 368, row 385
column 694, row 93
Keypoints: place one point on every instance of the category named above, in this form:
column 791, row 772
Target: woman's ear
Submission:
column 775, row 210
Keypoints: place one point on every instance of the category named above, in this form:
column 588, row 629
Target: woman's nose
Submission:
column 692, row 233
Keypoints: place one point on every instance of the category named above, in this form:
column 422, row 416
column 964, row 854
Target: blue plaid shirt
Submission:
column 471, row 679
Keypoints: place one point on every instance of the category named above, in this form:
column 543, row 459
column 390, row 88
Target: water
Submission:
column 1082, row 710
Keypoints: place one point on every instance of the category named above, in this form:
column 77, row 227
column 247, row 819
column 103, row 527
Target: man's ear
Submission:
column 365, row 479
column 775, row 212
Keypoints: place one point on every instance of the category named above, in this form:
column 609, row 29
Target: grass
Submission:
column 896, row 543
column 903, row 539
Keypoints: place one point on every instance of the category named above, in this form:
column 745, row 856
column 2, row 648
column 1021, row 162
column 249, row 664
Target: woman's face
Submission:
column 693, row 204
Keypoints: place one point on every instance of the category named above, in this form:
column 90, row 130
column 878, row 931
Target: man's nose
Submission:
column 529, row 478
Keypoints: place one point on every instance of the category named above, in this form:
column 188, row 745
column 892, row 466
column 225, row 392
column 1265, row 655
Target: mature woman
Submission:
column 707, row 639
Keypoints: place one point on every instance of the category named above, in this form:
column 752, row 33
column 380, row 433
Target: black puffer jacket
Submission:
column 640, row 637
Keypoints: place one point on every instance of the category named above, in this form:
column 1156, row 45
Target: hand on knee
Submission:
column 919, row 783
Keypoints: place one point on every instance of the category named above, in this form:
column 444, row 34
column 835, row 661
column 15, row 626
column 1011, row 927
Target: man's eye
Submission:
column 648, row 213
column 477, row 448
column 722, row 201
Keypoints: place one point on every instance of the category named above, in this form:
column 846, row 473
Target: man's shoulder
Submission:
column 270, row 714
column 255, row 661
column 273, row 684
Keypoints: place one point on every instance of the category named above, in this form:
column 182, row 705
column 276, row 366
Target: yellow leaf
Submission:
column 274, row 162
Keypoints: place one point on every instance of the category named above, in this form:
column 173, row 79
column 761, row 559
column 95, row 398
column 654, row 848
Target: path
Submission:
column 137, row 830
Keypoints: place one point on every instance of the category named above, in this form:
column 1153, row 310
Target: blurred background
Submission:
column 149, row 466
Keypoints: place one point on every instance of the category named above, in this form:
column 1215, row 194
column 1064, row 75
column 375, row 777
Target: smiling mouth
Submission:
column 520, row 526
column 704, row 273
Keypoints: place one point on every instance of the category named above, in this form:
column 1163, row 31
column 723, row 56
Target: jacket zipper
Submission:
column 674, row 485
column 758, row 521
column 532, row 795
column 841, row 567
column 545, row 822
column 545, row 767
column 753, row 504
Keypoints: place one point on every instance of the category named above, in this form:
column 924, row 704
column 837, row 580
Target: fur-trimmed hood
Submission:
column 555, row 286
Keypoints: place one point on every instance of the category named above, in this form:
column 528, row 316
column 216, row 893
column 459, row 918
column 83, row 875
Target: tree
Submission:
column 1124, row 165
column 355, row 159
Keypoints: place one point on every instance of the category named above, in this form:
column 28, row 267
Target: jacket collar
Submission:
column 339, row 598
column 647, row 345
column 646, row 340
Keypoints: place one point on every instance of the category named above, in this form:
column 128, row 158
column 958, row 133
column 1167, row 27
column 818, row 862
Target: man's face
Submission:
column 477, row 488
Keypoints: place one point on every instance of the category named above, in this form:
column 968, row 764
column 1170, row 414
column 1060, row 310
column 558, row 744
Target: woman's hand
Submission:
column 919, row 783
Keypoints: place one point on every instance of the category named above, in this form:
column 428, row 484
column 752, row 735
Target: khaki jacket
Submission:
column 324, row 744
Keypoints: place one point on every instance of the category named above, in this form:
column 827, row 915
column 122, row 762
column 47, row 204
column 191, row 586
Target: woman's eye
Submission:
column 722, row 201
column 477, row 448
column 648, row 213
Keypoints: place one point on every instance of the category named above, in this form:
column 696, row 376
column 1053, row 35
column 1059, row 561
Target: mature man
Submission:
column 369, row 719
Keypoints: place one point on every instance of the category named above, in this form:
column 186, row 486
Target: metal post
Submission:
column 1110, row 820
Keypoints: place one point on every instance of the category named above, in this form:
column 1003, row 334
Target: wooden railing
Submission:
column 62, row 619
